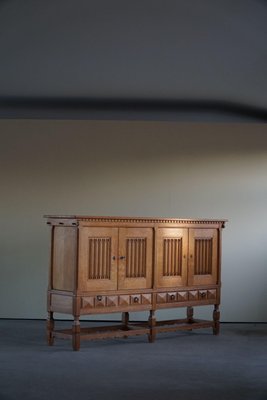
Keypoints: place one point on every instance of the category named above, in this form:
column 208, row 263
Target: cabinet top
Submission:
column 148, row 220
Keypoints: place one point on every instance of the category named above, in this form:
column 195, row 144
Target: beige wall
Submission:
column 136, row 169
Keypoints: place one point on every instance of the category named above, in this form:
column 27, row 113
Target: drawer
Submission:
column 167, row 297
column 94, row 301
column 135, row 299
column 210, row 294
column 202, row 294
column 172, row 297
column 100, row 301
column 186, row 295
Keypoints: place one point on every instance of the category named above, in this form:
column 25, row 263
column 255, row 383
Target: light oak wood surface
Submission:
column 103, row 265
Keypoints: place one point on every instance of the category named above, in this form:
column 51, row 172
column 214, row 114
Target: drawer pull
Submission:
column 136, row 299
column 202, row 294
column 172, row 296
column 122, row 257
column 99, row 298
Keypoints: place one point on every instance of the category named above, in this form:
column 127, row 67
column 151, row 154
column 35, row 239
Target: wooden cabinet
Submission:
column 103, row 265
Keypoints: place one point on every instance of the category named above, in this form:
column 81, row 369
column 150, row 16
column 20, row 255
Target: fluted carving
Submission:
column 99, row 258
column 172, row 257
column 136, row 258
column 203, row 256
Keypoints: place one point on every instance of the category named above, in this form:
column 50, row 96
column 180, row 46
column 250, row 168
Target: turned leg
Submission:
column 125, row 322
column 190, row 313
column 152, row 325
column 76, row 330
column 50, row 323
column 216, row 320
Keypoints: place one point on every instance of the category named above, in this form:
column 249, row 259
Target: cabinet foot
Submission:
column 152, row 325
column 216, row 320
column 50, row 323
column 76, row 330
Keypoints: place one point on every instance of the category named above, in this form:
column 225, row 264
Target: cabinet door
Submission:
column 203, row 256
column 98, row 258
column 172, row 246
column 135, row 258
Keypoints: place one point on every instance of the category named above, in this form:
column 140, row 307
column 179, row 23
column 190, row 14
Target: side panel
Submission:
column 172, row 247
column 64, row 258
column 98, row 258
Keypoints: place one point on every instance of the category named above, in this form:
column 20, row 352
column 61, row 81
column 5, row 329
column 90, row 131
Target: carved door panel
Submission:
column 203, row 256
column 98, row 258
column 135, row 258
column 172, row 246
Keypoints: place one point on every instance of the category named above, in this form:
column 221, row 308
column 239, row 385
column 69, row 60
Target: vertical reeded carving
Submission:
column 203, row 256
column 99, row 258
column 136, row 258
column 172, row 257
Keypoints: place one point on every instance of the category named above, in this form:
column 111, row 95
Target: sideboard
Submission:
column 101, row 265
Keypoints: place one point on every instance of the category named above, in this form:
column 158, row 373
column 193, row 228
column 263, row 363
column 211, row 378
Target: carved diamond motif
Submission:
column 212, row 294
column 182, row 296
column 112, row 301
column 146, row 298
column 124, row 300
column 87, row 302
column 161, row 297
column 193, row 295
column 100, row 301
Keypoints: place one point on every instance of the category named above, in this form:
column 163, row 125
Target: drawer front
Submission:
column 172, row 297
column 130, row 300
column 186, row 296
column 135, row 299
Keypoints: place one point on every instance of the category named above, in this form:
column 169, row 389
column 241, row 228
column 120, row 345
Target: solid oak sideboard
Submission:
column 103, row 265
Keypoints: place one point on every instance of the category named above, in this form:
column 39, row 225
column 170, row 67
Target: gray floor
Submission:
column 184, row 365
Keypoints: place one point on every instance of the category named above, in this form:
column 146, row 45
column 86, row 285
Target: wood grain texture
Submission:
column 105, row 265
column 172, row 249
column 98, row 249
column 64, row 258
column 135, row 258
column 203, row 257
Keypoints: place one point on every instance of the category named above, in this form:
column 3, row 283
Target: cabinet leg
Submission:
column 216, row 320
column 152, row 325
column 76, row 330
column 189, row 314
column 50, row 323
column 125, row 322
